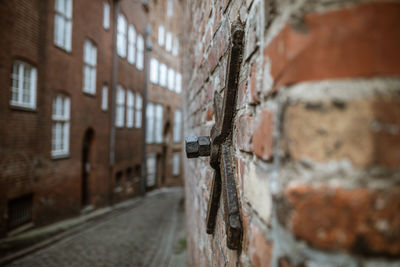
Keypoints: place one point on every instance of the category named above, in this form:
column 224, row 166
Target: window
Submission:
column 19, row 211
column 23, row 88
column 178, row 83
column 140, row 50
column 106, row 16
column 60, row 134
column 168, row 42
column 177, row 126
column 161, row 35
column 154, row 71
column 63, row 24
column 150, row 123
column 138, row 113
column 171, row 76
column 89, row 67
column 131, row 44
column 119, row 112
column 130, row 100
column 175, row 49
column 175, row 164
column 104, row 98
column 163, row 75
column 121, row 36
column 151, row 170
column 159, row 124
column 170, row 8
column 154, row 127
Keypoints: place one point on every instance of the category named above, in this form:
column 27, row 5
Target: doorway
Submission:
column 86, row 166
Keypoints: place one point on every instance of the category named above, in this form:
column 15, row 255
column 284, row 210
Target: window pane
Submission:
column 175, row 164
column 177, row 126
column 168, row 41
column 171, row 79
column 106, row 17
column 140, row 49
column 104, row 98
column 163, row 75
column 161, row 35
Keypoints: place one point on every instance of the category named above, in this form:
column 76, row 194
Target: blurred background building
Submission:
column 72, row 111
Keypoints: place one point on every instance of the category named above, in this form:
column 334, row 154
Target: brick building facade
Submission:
column 71, row 110
column 164, row 109
column 316, row 140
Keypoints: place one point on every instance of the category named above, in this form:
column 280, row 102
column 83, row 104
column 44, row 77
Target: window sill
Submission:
column 89, row 93
column 60, row 156
column 21, row 107
column 63, row 49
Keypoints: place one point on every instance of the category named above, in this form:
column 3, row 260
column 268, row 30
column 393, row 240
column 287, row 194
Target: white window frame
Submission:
column 175, row 48
column 177, row 126
column 104, row 98
column 131, row 44
column 138, row 110
column 60, row 126
column 130, row 109
column 158, row 127
column 121, row 35
column 178, row 83
column 23, row 85
column 176, row 158
column 120, row 107
column 151, row 166
column 63, row 24
column 140, row 52
column 106, row 15
column 154, row 71
column 150, row 110
column 171, row 79
column 89, row 67
column 163, row 75
column 168, row 42
column 170, row 8
column 161, row 35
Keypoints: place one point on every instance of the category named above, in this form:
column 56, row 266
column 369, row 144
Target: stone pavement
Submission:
column 149, row 234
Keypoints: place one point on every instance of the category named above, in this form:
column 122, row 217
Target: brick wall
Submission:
column 26, row 165
column 316, row 133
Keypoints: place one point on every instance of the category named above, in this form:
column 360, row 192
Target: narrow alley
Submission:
column 150, row 233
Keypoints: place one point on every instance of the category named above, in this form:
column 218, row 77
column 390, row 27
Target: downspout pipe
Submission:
column 114, row 82
column 144, row 117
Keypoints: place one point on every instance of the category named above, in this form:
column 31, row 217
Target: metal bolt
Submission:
column 198, row 146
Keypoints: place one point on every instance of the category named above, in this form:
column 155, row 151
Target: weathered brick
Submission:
column 363, row 221
column 362, row 41
column 260, row 249
column 263, row 134
column 365, row 132
column 244, row 133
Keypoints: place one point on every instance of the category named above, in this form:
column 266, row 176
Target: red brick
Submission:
column 244, row 132
column 324, row 132
column 263, row 134
column 361, row 220
column 260, row 249
column 361, row 41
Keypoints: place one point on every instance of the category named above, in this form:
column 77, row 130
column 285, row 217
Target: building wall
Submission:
column 316, row 134
column 170, row 100
column 128, row 141
column 26, row 164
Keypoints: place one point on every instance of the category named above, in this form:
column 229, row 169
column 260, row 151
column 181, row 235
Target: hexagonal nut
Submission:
column 192, row 146
column 204, row 146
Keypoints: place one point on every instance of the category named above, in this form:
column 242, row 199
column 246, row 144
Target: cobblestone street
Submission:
column 151, row 233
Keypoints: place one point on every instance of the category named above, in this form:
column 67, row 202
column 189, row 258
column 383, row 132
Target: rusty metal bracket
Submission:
column 219, row 147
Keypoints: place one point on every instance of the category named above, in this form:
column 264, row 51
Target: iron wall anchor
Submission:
column 219, row 147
